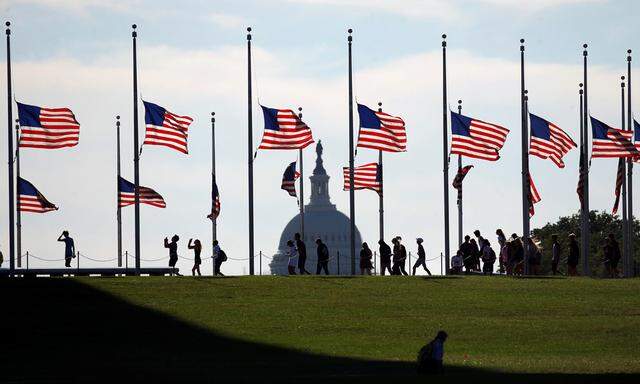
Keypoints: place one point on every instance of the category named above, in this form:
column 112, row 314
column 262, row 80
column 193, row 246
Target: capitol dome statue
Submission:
column 321, row 220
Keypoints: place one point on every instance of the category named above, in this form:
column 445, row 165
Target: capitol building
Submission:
column 321, row 220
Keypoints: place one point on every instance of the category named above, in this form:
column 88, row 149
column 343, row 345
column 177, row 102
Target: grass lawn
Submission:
column 325, row 329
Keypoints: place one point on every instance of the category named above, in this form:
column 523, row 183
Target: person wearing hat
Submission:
column 421, row 258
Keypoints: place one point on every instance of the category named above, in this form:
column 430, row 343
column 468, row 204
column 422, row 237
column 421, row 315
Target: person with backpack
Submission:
column 488, row 258
column 219, row 257
column 556, row 251
column 292, row 253
column 323, row 257
column 431, row 356
column 385, row 257
column 197, row 248
column 421, row 258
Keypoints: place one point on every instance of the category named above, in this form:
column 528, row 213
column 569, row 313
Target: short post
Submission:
column 27, row 259
column 375, row 262
column 78, row 260
column 338, row 258
column 260, row 263
column 441, row 271
column 409, row 259
column 126, row 259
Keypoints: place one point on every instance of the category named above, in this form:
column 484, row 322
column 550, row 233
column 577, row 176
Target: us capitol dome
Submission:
column 321, row 220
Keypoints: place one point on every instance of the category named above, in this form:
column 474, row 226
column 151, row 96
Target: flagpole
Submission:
column 526, row 201
column 630, row 226
column 582, row 170
column 10, row 154
column 459, row 200
column 381, row 194
column 445, row 154
column 18, row 213
column 301, row 185
column 119, row 209
column 625, row 222
column 585, row 111
column 250, row 151
column 136, row 153
column 352, row 208
column 214, row 224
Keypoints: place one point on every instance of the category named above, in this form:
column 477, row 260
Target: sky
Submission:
column 192, row 60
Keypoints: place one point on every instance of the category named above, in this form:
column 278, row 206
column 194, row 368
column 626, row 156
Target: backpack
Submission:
column 222, row 255
column 425, row 356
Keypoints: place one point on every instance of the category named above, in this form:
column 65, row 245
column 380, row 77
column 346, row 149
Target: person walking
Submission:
column 385, row 257
column 574, row 256
column 395, row 269
column 502, row 242
column 365, row 260
column 556, row 251
column 219, row 257
column 614, row 255
column 323, row 257
column 173, row 253
column 69, row 248
column 422, row 257
column 488, row 258
column 302, row 254
column 197, row 248
column 292, row 253
column 403, row 257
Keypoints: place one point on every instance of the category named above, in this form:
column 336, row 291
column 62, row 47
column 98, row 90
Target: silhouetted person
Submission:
column 395, row 269
column 456, row 263
column 1, row 259
column 197, row 248
column 385, row 257
column 365, row 260
column 323, row 257
column 302, row 254
column 502, row 242
column 467, row 250
column 173, row 252
column 219, row 257
column 614, row 254
column 431, row 355
column 475, row 255
column 69, row 248
column 422, row 258
column 556, row 252
column 292, row 254
column 535, row 256
column 488, row 258
column 516, row 254
column 574, row 256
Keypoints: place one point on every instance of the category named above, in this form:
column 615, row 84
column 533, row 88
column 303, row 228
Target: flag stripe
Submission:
column 366, row 176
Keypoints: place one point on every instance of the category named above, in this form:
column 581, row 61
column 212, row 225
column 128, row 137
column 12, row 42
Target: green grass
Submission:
column 496, row 325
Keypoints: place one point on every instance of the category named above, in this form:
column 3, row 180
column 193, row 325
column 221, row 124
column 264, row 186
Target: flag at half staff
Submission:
column 457, row 181
column 534, row 196
column 381, row 131
column 126, row 194
column 476, row 138
column 31, row 200
column 289, row 179
column 548, row 141
column 636, row 137
column 619, row 181
column 611, row 142
column 165, row 128
column 47, row 128
column 367, row 176
column 215, row 201
column 283, row 129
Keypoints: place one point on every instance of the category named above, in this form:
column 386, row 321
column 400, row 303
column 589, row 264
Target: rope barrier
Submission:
column 99, row 261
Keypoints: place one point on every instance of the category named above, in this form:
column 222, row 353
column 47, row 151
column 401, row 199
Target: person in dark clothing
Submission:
column 365, row 259
column 395, row 269
column 403, row 257
column 302, row 254
column 219, row 258
column 488, row 258
column 385, row 257
column 480, row 241
column 197, row 248
column 69, row 248
column 475, row 258
column 323, row 257
column 173, row 252
column 556, row 252
column 614, row 255
column 421, row 258
column 535, row 257
column 467, row 249
column 516, row 255
column 431, row 355
column 574, row 256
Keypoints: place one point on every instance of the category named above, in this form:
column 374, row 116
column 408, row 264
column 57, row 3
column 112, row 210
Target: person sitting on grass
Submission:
column 431, row 355
column 292, row 253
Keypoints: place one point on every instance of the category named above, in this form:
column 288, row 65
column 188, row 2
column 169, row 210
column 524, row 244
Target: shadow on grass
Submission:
column 61, row 330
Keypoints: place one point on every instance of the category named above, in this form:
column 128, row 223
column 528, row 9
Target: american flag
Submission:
column 611, row 142
column 367, row 176
column 548, row 141
column 283, row 129
column 289, row 179
column 636, row 138
column 534, row 196
column 457, row 181
column 47, row 128
column 147, row 195
column 165, row 128
column 381, row 131
column 31, row 200
column 475, row 138
column 215, row 200
column 580, row 188
column 619, row 181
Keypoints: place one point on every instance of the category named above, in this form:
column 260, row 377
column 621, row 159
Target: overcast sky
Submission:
column 192, row 60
